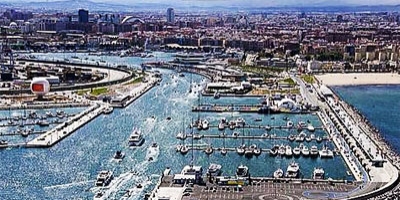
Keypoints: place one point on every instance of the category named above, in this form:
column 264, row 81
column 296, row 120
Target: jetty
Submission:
column 53, row 136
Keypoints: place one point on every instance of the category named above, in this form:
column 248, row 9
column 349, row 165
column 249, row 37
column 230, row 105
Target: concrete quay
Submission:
column 61, row 131
column 136, row 93
column 44, row 105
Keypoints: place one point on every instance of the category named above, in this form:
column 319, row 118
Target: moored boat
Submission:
column 278, row 173
column 293, row 170
column 318, row 173
column 242, row 171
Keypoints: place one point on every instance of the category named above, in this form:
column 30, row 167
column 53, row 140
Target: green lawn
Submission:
column 98, row 91
column 308, row 79
column 134, row 81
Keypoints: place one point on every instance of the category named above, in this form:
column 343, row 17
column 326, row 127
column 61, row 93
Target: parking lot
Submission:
column 270, row 190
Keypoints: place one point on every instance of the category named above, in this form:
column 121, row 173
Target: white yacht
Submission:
column 205, row 124
column 104, row 178
column 209, row 150
column 257, row 150
column 296, row 151
column 136, row 138
column 318, row 173
column 310, row 128
column 288, row 151
column 109, row 109
column 242, row 171
column 224, row 151
column 325, row 152
column 289, row 124
column 221, row 125
column 3, row 144
column 184, row 149
column 240, row 122
column 282, row 150
column 214, row 169
column 278, row 173
column 314, row 151
column 181, row 136
column 240, row 150
column 305, row 151
column 293, row 170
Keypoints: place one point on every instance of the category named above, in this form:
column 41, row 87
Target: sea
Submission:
column 379, row 104
column 68, row 170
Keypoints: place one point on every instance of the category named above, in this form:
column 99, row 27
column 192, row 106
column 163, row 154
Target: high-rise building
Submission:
column 170, row 15
column 83, row 16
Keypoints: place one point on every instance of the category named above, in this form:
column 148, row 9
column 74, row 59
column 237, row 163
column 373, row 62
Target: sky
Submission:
column 245, row 2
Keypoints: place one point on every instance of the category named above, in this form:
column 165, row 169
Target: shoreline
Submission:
column 358, row 79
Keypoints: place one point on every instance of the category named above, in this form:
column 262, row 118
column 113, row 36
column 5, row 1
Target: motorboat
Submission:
column 108, row 110
column 136, row 138
column 104, row 178
column 310, row 128
column 221, row 125
column 184, row 149
column 232, row 125
column 240, row 122
column 119, row 155
column 305, row 151
column 208, row 150
column 282, row 150
column 268, row 128
column 224, row 151
column 293, row 170
column 308, row 139
column 240, row 150
column 288, row 151
column 3, row 144
column 318, row 173
column 242, row 171
column 325, row 152
column 205, row 124
column 319, row 139
column 249, row 151
column 43, row 123
column 273, row 152
column 314, row 151
column 296, row 151
column 181, row 136
column 197, row 136
column 257, row 151
column 179, row 147
column 217, row 95
column 278, row 173
column 289, row 124
column 214, row 169
column 291, row 137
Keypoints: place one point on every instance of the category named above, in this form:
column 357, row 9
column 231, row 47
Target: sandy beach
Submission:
column 359, row 79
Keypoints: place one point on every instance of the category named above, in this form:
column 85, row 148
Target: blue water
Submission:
column 380, row 105
column 68, row 169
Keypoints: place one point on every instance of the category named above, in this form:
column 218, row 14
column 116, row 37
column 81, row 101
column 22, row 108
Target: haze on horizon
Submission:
column 243, row 3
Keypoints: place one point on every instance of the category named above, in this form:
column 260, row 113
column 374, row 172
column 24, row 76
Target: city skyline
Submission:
column 251, row 3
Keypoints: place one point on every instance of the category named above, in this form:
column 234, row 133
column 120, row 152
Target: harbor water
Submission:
column 68, row 170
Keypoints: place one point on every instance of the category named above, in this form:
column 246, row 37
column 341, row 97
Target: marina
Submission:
column 305, row 145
